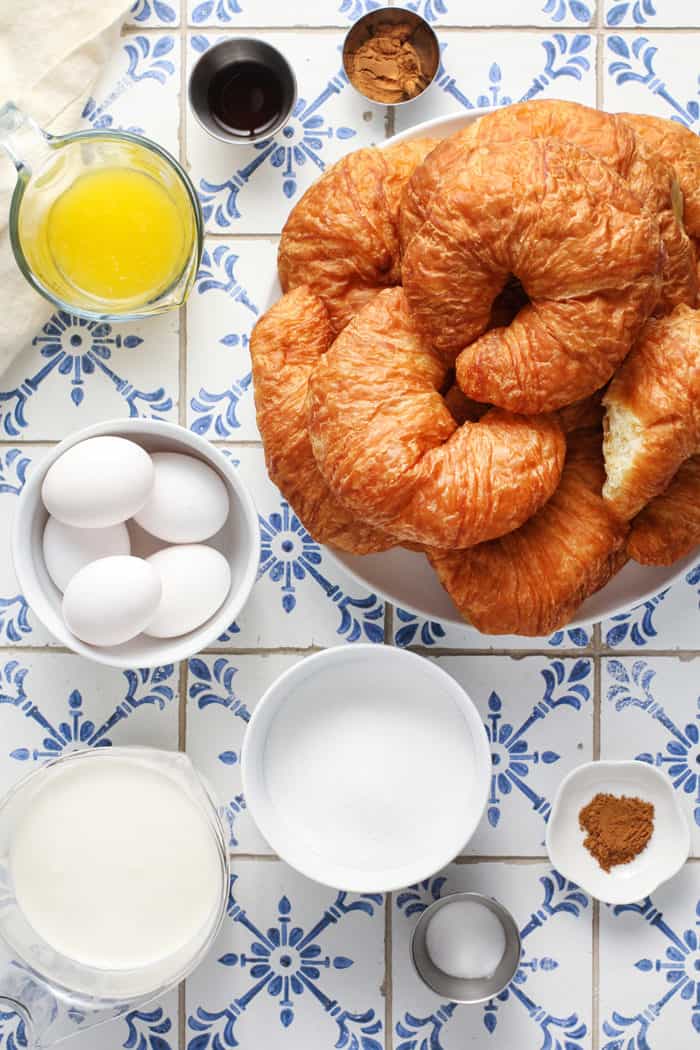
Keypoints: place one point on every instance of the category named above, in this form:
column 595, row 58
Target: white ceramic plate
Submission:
column 405, row 577
column 665, row 853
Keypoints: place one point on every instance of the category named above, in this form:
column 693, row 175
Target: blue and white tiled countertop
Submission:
column 298, row 966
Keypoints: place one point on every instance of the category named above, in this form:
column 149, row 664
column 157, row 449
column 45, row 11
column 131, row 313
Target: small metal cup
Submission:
column 462, row 989
column 424, row 39
column 228, row 53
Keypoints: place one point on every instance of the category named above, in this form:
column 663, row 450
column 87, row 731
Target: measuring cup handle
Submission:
column 25, row 143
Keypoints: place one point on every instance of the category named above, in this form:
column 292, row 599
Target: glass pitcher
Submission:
column 104, row 224
column 56, row 994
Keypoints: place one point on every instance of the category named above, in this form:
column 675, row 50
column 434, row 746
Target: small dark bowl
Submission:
column 423, row 39
column 227, row 53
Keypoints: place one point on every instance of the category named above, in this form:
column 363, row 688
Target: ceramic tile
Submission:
column 231, row 291
column 18, row 625
column 410, row 630
column 649, row 964
column 301, row 597
column 547, row 1005
column 154, row 1026
column 506, row 12
column 637, row 14
column 222, row 693
column 51, row 703
column 251, row 189
column 78, row 372
column 151, row 14
column 236, row 14
column 295, row 965
column 655, row 73
column 669, row 621
column 138, row 87
column 538, row 716
column 651, row 712
column 483, row 69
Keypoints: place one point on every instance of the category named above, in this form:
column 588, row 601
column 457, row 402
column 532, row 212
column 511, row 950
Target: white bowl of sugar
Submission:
column 366, row 767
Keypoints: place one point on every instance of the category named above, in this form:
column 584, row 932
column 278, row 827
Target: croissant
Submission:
column 650, row 177
column 285, row 345
column 652, row 412
column 680, row 147
column 391, row 451
column 668, row 527
column 532, row 581
column 342, row 238
column 585, row 251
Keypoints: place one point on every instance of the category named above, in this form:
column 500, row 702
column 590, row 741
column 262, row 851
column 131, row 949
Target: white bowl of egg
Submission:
column 136, row 543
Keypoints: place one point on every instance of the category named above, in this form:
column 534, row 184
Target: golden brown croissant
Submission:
column 532, row 581
column 652, row 411
column 342, row 238
column 585, row 251
column 607, row 137
column 391, row 450
column 286, row 344
column 668, row 528
column 680, row 147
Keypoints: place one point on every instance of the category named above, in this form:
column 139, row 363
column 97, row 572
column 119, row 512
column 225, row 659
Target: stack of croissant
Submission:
column 488, row 350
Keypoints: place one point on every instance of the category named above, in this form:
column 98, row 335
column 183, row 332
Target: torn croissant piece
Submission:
column 652, row 412
column 391, row 450
column 286, row 344
column 605, row 135
column 342, row 238
column 668, row 528
column 532, row 581
column 572, row 232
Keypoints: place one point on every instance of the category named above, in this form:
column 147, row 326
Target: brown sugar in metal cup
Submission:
column 391, row 55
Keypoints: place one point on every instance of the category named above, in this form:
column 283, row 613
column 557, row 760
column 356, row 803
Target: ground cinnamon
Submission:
column 386, row 66
column 618, row 828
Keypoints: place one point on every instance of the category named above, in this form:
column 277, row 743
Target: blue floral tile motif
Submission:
column 14, row 611
column 214, row 685
column 449, row 11
column 224, row 10
column 288, row 963
column 415, row 629
column 680, row 758
column 300, row 142
column 79, row 349
column 149, row 1030
column 630, row 12
column 565, row 56
column 148, row 12
column 632, row 62
column 636, row 626
column 13, row 1031
column 511, row 758
column 148, row 58
column 677, row 964
column 216, row 410
column 693, row 580
column 559, row 897
column 289, row 555
column 412, row 629
column 154, row 687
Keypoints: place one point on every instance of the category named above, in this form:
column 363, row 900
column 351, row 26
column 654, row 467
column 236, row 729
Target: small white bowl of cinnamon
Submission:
column 391, row 55
column 617, row 830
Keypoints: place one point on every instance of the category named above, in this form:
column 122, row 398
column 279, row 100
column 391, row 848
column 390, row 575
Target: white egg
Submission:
column 111, row 600
column 189, row 501
column 68, row 549
column 98, row 482
column 195, row 581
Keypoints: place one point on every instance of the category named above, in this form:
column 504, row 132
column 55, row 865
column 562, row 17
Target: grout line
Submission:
column 388, row 974
column 182, row 1015
column 254, row 856
column 422, row 650
column 388, row 623
column 595, row 975
column 599, row 70
column 182, row 712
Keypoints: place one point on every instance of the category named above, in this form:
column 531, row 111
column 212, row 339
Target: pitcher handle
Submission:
column 21, row 137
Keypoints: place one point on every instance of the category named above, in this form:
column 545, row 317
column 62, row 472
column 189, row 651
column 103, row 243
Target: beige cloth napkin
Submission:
column 51, row 52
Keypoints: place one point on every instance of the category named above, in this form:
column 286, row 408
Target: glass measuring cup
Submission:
column 56, row 994
column 91, row 175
